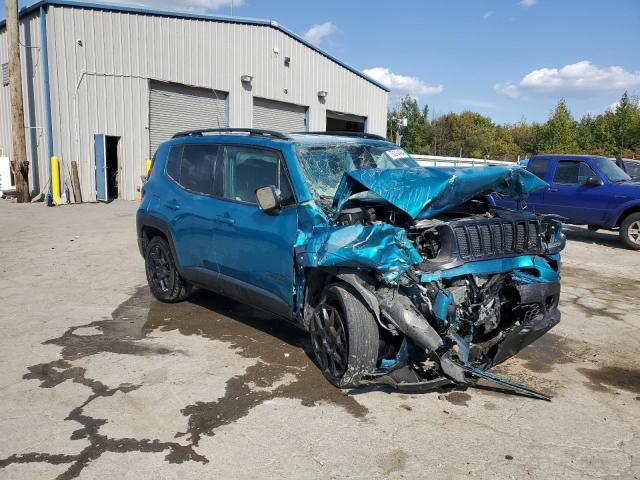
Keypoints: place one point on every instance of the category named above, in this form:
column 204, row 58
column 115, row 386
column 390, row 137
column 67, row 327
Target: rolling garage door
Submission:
column 279, row 116
column 174, row 108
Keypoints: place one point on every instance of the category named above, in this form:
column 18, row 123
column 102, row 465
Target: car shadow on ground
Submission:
column 274, row 339
column 601, row 237
column 215, row 316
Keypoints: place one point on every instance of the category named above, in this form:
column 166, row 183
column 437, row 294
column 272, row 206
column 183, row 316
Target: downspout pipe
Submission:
column 47, row 89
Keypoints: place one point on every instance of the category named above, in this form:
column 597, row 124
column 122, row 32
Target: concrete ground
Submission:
column 100, row 381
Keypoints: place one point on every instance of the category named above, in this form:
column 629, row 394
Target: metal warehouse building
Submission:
column 110, row 82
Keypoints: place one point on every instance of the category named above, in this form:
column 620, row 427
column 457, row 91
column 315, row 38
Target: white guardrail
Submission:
column 439, row 161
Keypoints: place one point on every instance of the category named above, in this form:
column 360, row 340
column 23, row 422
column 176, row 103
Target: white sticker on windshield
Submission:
column 397, row 154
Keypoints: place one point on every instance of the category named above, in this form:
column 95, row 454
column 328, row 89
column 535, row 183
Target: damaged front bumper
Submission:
column 443, row 348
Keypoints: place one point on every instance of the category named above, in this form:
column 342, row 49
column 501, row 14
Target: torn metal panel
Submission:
column 426, row 192
column 379, row 247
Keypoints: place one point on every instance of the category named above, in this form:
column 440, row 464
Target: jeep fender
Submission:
column 147, row 220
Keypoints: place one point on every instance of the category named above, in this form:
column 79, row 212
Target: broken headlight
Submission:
column 551, row 231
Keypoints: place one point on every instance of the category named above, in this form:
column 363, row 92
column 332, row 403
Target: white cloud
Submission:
column 582, row 79
column 488, row 13
column 401, row 85
column 318, row 32
column 476, row 103
column 528, row 3
column 185, row 5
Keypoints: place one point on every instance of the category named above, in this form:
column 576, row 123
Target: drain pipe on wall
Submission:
column 47, row 103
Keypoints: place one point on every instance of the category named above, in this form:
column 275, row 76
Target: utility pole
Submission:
column 19, row 163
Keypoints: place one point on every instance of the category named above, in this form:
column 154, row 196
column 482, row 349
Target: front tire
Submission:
column 165, row 282
column 630, row 231
column 344, row 336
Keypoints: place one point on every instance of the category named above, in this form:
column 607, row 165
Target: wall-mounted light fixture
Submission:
column 246, row 78
column 322, row 93
column 287, row 61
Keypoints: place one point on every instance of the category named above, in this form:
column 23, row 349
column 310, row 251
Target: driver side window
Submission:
column 570, row 172
column 247, row 169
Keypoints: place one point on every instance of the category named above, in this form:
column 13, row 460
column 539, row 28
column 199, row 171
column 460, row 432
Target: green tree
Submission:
column 614, row 132
column 414, row 135
column 559, row 134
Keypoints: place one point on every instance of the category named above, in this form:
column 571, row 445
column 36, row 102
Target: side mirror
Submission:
column 593, row 182
column 269, row 200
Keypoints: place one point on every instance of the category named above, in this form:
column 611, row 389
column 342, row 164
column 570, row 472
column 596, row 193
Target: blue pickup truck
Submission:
column 586, row 190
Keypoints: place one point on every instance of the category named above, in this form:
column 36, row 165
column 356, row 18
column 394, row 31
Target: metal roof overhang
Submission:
column 215, row 18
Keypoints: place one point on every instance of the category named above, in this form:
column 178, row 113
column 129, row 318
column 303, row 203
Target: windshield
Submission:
column 610, row 170
column 324, row 165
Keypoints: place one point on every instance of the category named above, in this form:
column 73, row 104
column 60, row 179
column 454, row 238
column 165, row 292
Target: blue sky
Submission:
column 509, row 59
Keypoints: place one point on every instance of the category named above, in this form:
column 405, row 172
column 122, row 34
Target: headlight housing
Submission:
column 551, row 231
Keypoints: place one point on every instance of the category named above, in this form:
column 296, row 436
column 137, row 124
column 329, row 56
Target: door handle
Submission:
column 172, row 205
column 553, row 190
column 226, row 220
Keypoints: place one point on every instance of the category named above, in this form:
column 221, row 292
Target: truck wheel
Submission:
column 630, row 231
column 165, row 282
column 344, row 336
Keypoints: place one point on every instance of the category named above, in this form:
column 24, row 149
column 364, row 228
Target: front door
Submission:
column 255, row 250
column 570, row 196
column 100, row 147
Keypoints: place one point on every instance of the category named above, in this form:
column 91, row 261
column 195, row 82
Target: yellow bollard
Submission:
column 148, row 167
column 55, row 180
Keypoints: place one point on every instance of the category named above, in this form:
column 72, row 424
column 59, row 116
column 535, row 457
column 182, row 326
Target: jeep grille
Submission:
column 497, row 237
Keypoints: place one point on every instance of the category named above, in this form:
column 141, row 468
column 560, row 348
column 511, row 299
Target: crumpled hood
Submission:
column 424, row 192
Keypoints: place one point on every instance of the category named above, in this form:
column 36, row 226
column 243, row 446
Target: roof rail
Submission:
column 346, row 133
column 250, row 131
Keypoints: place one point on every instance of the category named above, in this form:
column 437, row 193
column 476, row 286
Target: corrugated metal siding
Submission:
column 174, row 108
column 278, row 116
column 102, row 86
column 32, row 88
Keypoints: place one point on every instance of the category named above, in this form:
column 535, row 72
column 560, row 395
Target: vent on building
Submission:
column 5, row 74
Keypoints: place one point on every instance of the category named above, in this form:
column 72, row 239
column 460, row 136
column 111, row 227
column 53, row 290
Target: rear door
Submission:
column 191, row 205
column 539, row 167
column 254, row 251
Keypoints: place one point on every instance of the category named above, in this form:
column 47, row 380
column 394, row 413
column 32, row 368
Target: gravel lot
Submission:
column 98, row 380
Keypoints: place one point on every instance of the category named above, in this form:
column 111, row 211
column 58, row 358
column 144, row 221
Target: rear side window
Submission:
column 246, row 169
column 193, row 167
column 539, row 167
column 572, row 173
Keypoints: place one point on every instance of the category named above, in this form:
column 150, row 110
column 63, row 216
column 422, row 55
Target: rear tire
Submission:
column 630, row 231
column 165, row 282
column 344, row 336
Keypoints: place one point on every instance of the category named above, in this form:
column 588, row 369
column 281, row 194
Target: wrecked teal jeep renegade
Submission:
column 402, row 275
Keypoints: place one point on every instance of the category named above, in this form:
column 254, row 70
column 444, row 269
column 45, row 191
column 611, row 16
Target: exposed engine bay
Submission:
column 486, row 285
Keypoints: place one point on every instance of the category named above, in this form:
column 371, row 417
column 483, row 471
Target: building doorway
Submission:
column 344, row 122
column 113, row 167
column 108, row 168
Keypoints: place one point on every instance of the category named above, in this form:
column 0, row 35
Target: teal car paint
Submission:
column 297, row 223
